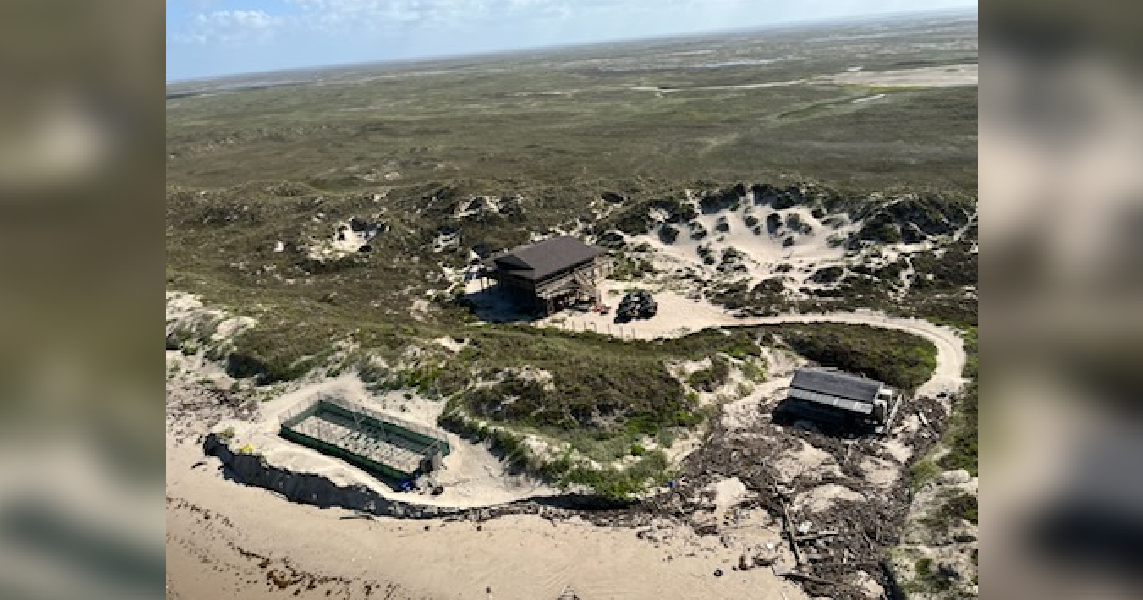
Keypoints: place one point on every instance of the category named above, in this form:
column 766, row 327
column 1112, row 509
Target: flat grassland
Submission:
column 760, row 106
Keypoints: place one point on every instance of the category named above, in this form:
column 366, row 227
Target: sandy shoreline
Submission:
column 231, row 541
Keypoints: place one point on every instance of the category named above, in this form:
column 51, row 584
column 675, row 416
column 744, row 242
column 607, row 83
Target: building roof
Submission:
column 539, row 260
column 834, row 401
column 836, row 384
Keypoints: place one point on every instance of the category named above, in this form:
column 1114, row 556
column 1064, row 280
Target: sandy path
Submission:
column 679, row 315
column 950, row 347
column 938, row 76
column 745, row 86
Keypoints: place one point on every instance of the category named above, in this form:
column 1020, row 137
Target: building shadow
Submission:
column 793, row 413
column 497, row 305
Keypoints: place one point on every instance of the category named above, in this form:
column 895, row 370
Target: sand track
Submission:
column 679, row 316
column 950, row 347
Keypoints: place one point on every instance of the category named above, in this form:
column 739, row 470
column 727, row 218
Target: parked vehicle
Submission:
column 636, row 305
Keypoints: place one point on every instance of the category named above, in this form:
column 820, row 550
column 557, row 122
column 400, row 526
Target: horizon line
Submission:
column 974, row 11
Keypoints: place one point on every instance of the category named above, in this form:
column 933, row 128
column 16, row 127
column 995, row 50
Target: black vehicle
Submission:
column 636, row 305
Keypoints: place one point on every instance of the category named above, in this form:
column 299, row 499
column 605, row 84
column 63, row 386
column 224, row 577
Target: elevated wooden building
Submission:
column 551, row 274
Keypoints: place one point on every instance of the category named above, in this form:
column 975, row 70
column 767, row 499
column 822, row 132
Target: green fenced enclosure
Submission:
column 382, row 444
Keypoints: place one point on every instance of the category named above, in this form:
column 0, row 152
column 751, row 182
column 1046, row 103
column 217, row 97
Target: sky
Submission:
column 219, row 37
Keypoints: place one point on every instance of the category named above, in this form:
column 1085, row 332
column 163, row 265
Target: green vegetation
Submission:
column 963, row 439
column 897, row 358
column 597, row 382
column 929, row 578
column 604, row 397
column 972, row 351
column 950, row 509
column 753, row 371
column 828, row 274
column 631, row 269
column 572, row 117
column 962, row 453
column 955, row 268
column 652, row 468
column 922, row 472
column 271, row 354
column 963, row 506
column 712, row 377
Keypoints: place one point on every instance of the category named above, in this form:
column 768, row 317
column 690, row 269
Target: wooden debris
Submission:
column 788, row 530
column 819, row 534
column 810, row 578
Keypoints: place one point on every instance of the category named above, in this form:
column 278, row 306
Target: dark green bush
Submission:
column 897, row 358
column 828, row 274
column 713, row 377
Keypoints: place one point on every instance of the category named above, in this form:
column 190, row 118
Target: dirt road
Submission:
column 947, row 377
column 679, row 315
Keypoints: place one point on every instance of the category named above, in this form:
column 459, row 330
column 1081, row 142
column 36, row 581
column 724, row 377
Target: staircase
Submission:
column 586, row 280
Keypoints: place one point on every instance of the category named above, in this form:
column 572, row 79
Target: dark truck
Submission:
column 636, row 305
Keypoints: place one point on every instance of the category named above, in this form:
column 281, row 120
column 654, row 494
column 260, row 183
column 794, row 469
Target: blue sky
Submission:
column 217, row 37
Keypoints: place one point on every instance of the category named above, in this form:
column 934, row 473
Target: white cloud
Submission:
column 230, row 27
column 400, row 14
column 422, row 19
column 390, row 17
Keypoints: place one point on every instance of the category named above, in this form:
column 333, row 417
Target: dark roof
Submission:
column 539, row 260
column 836, row 383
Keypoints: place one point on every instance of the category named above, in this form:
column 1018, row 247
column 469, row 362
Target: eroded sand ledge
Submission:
column 319, row 490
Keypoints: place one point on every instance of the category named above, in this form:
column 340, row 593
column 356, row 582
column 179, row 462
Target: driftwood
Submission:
column 813, row 536
column 788, row 529
column 800, row 576
column 868, row 542
column 849, row 564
